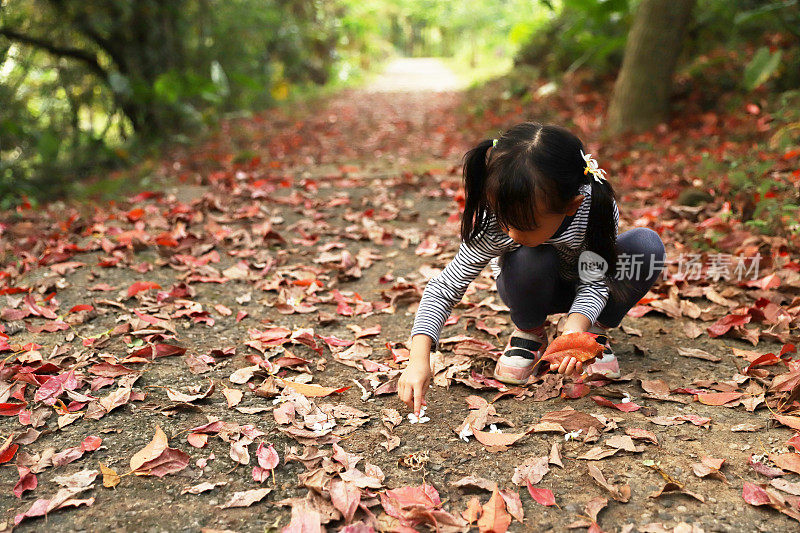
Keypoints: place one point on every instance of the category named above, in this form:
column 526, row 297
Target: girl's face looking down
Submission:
column 547, row 223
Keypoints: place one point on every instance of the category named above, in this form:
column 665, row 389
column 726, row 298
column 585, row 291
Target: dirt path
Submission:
column 331, row 219
column 418, row 74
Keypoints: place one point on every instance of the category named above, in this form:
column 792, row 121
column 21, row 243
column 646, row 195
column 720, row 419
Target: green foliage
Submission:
column 593, row 33
column 732, row 26
column 83, row 82
column 580, row 32
column 761, row 67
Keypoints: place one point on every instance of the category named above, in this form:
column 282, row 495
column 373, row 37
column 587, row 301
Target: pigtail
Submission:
column 474, row 219
column 601, row 233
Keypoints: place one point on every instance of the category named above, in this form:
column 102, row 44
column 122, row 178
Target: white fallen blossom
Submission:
column 572, row 435
column 421, row 419
column 493, row 429
column 626, row 399
column 466, row 433
column 321, row 427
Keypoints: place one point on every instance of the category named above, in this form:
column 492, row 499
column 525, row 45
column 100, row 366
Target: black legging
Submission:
column 530, row 286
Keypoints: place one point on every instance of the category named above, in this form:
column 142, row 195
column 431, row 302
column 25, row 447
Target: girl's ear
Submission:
column 574, row 204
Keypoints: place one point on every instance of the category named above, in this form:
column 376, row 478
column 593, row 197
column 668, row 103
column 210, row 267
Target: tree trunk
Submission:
column 641, row 93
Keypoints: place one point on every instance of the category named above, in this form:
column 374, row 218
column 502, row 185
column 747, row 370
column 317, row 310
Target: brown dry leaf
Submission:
column 597, row 453
column 708, row 466
column 547, row 427
column 787, row 461
column 672, row 487
column 494, row 517
column 572, row 420
column 155, row 448
column 245, row 498
column 311, row 391
column 621, row 493
column 513, row 504
column 170, row 461
column 345, row 497
column 115, row 399
column 532, row 470
column 555, row 456
column 239, row 451
column 658, row 389
column 203, row 487
column 473, row 510
column 692, row 330
column 697, row 353
column 594, row 507
column 719, row 398
column 232, row 396
column 177, row 396
column 787, row 420
column 391, row 418
column 243, row 375
column 474, row 481
column 747, row 427
column 392, row 441
column 642, row 434
column 632, row 331
column 786, row 486
column 680, row 419
column 110, row 478
column 496, row 441
column 623, row 442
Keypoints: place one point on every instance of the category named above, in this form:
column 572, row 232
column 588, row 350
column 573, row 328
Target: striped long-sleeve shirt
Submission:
column 447, row 288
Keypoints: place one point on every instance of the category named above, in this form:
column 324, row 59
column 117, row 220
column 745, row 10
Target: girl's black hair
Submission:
column 530, row 159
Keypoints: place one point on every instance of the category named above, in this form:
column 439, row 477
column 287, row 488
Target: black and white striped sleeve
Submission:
column 591, row 296
column 447, row 288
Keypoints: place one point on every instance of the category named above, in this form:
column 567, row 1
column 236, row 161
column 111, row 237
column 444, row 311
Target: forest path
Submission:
column 416, row 74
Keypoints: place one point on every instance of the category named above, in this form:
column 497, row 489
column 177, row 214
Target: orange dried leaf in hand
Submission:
column 580, row 345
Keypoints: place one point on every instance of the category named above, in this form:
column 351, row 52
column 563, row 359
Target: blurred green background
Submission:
column 91, row 85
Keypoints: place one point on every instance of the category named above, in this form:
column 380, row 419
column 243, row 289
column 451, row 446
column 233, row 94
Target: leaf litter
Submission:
column 285, row 311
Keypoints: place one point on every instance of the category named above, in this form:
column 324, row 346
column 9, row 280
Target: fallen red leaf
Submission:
column 755, row 495
column 627, row 407
column 140, row 286
column 541, row 496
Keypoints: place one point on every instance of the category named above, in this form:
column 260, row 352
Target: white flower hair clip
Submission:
column 591, row 166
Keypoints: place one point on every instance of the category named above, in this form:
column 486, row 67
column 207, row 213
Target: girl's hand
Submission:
column 569, row 365
column 413, row 384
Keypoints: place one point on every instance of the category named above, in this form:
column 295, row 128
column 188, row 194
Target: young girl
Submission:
column 543, row 213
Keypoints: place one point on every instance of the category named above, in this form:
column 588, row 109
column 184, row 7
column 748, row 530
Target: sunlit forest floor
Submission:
column 259, row 303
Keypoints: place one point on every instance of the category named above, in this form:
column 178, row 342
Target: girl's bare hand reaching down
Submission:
column 416, row 378
column 413, row 385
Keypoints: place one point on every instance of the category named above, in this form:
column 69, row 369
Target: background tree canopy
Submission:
column 91, row 81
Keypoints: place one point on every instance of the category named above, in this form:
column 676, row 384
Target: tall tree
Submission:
column 641, row 92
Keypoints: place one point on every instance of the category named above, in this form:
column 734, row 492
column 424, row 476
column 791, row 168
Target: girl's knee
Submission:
column 643, row 241
column 654, row 243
